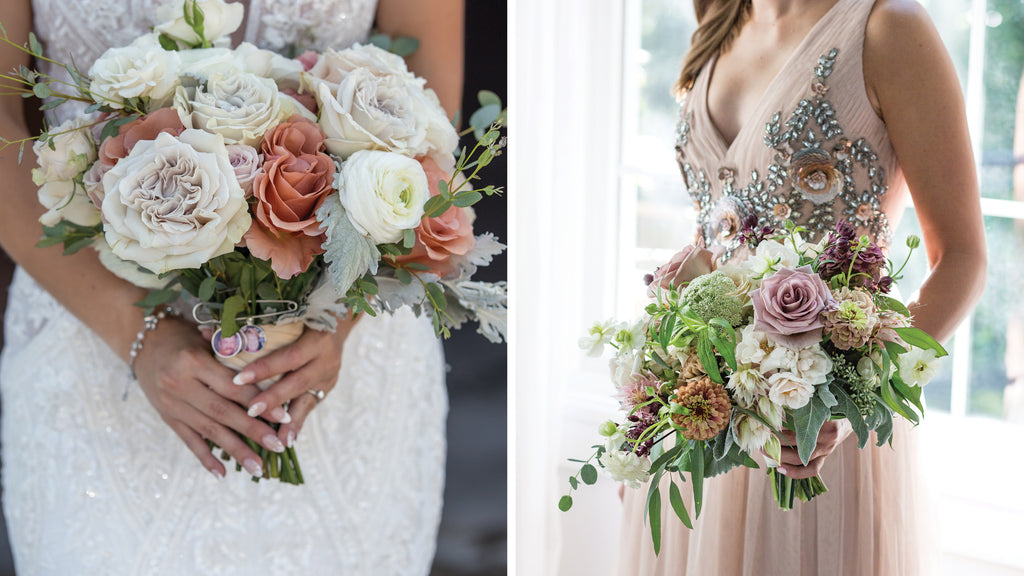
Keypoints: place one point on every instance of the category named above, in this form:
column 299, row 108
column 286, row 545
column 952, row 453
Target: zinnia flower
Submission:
column 708, row 405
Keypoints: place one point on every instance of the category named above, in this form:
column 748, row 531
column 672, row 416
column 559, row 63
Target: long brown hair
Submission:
column 717, row 24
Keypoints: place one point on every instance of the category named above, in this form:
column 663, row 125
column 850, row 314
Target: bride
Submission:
column 97, row 484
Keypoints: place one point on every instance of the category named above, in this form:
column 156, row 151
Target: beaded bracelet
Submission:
column 149, row 323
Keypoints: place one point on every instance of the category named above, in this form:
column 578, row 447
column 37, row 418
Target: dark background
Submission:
column 472, row 539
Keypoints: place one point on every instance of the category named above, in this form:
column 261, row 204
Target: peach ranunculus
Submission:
column 145, row 128
column 438, row 239
column 685, row 265
column 296, row 178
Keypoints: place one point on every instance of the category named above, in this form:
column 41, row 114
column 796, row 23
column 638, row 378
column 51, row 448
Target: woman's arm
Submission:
column 189, row 389
column 914, row 88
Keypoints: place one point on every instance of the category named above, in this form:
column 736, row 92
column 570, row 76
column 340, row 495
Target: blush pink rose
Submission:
column 438, row 239
column 308, row 59
column 685, row 265
column 145, row 128
column 295, row 180
column 788, row 307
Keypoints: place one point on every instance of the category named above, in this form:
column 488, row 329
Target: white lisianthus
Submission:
column 751, row 434
column 769, row 257
column 219, row 20
column 73, row 150
column 383, row 193
column 747, row 384
column 753, row 346
column 66, row 200
column 599, row 334
column 632, row 336
column 626, row 467
column 789, row 390
column 370, row 101
column 811, row 364
column 239, row 107
column 918, row 367
column 174, row 202
column 142, row 69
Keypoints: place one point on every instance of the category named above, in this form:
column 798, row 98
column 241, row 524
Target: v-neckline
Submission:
column 725, row 148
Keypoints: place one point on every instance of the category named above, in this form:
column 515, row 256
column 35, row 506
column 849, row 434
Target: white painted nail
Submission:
column 291, row 438
column 272, row 442
column 257, row 409
column 280, row 414
column 252, row 467
column 217, row 474
column 242, row 378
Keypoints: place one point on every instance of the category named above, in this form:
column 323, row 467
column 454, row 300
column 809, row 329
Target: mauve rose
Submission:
column 145, row 128
column 684, row 266
column 247, row 164
column 296, row 178
column 788, row 306
column 437, row 239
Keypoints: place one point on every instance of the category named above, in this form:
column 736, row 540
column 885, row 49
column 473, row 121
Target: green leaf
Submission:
column 890, row 303
column 654, row 514
column 848, row 408
column 382, row 41
column 403, row 276
column 76, row 245
column 52, row 104
column 481, row 120
column 706, row 354
column 726, row 345
column 676, row 499
column 919, row 338
column 884, row 428
column 158, row 298
column 807, row 423
column 409, row 238
column 233, row 306
column 167, row 43
column 42, row 90
column 436, row 295
column 466, row 199
column 588, row 474
column 207, row 288
column 565, row 503
column 896, row 403
column 417, row 267
column 404, row 46
column 697, row 476
column 34, row 45
column 722, row 443
column 436, row 206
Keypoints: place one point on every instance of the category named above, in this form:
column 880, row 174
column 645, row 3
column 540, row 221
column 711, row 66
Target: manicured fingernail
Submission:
column 253, row 467
column 273, row 443
column 291, row 438
column 242, row 378
column 216, row 473
column 257, row 409
column 281, row 415
column 781, row 470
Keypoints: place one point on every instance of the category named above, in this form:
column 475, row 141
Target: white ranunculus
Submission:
column 383, row 193
column 72, row 152
column 626, row 467
column 239, row 107
column 247, row 163
column 65, row 200
column 769, row 257
column 753, row 346
column 625, row 366
column 220, row 19
column 811, row 363
column 917, row 366
column 789, row 390
column 750, row 433
column 747, row 385
column 174, row 203
column 370, row 101
column 140, row 70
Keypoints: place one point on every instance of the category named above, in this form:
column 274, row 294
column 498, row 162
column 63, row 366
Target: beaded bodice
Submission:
column 821, row 155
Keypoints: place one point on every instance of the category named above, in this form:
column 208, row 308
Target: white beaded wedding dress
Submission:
column 94, row 484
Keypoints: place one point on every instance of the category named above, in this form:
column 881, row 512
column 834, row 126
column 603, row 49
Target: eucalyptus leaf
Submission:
column 565, row 503
column 404, row 46
column 488, row 98
column 467, row 199
column 654, row 515
column 588, row 474
column 676, row 499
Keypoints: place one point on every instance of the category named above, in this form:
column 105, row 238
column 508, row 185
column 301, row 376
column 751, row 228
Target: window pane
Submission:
column 1004, row 61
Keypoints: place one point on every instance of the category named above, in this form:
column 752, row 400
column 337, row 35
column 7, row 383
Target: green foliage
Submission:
column 74, row 237
column 403, row 46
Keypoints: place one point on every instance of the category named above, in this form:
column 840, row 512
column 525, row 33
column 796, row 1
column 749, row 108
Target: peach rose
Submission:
column 296, row 179
column 438, row 239
column 145, row 128
column 684, row 266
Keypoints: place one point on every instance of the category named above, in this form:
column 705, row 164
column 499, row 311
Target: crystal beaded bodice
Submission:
column 817, row 153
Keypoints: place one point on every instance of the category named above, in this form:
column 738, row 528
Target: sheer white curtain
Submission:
column 565, row 148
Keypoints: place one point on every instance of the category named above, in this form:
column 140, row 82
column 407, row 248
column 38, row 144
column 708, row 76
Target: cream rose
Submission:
column 174, row 202
column 219, row 20
column 370, row 101
column 73, row 150
column 789, row 390
column 239, row 107
column 811, row 363
column 205, row 62
column 140, row 70
column 383, row 193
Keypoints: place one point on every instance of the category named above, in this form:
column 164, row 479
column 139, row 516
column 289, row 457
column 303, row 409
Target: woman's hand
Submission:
column 309, row 364
column 832, row 434
column 194, row 395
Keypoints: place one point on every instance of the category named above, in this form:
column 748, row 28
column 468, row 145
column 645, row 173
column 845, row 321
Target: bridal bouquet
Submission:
column 271, row 194
column 725, row 359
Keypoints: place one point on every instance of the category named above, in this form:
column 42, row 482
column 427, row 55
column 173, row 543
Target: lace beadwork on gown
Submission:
column 94, row 485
